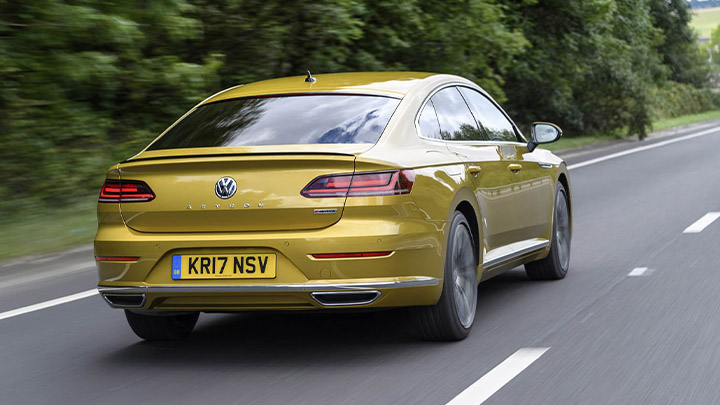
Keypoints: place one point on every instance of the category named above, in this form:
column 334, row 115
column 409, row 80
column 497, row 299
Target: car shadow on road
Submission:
column 259, row 339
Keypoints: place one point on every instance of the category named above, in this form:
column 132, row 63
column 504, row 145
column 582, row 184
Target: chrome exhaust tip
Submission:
column 125, row 300
column 345, row 298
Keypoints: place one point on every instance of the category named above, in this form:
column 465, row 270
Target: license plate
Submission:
column 187, row 267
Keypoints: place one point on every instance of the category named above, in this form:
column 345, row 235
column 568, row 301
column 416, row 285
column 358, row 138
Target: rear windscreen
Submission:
column 282, row 120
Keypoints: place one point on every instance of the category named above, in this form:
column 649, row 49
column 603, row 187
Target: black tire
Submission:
column 555, row 265
column 165, row 327
column 453, row 316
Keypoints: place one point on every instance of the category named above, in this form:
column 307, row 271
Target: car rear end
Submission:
column 255, row 203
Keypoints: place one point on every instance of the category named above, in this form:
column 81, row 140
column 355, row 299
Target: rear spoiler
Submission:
column 140, row 159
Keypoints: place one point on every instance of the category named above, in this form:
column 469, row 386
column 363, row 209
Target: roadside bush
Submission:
column 673, row 99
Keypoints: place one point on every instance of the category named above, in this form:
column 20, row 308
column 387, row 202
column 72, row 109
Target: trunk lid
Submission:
column 266, row 198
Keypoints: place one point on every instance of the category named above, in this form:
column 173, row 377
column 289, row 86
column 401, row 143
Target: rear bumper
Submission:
column 341, row 293
column 411, row 275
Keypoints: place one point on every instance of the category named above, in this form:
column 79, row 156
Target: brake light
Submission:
column 369, row 184
column 125, row 191
column 328, row 186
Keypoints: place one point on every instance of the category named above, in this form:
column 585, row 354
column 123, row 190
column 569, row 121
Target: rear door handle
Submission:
column 474, row 170
column 514, row 167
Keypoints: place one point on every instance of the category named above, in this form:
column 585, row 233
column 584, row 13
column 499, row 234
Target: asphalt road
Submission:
column 612, row 337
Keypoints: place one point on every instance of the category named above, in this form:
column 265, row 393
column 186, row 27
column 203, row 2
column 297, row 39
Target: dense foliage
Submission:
column 85, row 83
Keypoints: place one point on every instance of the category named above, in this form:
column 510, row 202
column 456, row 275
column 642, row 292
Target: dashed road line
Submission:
column 587, row 317
column 640, row 271
column 642, row 148
column 702, row 223
column 48, row 304
column 496, row 378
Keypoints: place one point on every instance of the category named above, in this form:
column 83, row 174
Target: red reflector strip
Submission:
column 116, row 258
column 349, row 255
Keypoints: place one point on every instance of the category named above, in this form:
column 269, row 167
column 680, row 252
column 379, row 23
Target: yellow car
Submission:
column 353, row 190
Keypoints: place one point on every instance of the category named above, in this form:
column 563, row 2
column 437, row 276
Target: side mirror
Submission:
column 543, row 132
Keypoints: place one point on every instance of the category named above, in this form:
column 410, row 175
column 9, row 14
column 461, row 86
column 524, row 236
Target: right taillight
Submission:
column 125, row 191
column 368, row 184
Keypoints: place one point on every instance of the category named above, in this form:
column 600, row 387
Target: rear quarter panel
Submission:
column 441, row 181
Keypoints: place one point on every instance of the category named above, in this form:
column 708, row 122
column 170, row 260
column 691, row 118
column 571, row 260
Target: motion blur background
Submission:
column 87, row 83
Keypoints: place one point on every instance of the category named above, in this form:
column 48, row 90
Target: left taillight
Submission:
column 125, row 191
column 367, row 184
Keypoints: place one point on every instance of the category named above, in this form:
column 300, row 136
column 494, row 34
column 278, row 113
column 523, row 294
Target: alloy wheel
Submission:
column 464, row 276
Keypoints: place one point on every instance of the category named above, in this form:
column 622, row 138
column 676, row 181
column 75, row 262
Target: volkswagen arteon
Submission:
column 355, row 190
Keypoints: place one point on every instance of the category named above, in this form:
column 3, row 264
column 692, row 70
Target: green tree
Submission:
column 262, row 39
column 589, row 66
column 85, row 83
column 678, row 47
column 467, row 38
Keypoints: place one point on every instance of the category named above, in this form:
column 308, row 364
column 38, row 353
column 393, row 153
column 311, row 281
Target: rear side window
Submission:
column 282, row 120
column 498, row 127
column 456, row 121
column 428, row 122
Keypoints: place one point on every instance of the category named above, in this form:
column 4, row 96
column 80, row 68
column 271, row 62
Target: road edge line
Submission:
column 642, row 148
column 48, row 304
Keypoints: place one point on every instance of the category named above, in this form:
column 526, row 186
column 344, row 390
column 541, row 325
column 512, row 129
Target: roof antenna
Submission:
column 310, row 78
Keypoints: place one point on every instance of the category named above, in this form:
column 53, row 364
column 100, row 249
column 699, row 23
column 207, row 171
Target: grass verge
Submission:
column 48, row 231
column 67, row 227
column 685, row 120
column 705, row 20
column 567, row 143
column 659, row 125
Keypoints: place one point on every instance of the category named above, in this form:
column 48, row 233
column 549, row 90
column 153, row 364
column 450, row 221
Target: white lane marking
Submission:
column 496, row 378
column 587, row 317
column 702, row 223
column 48, row 304
column 638, row 271
column 642, row 148
column 43, row 260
